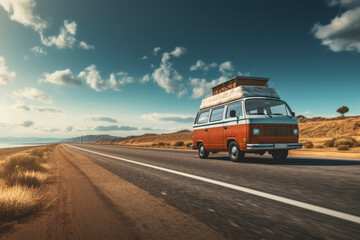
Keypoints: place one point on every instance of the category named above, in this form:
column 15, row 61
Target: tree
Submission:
column 343, row 110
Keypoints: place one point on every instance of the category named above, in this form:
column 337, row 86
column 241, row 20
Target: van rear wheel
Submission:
column 280, row 155
column 235, row 154
column 202, row 151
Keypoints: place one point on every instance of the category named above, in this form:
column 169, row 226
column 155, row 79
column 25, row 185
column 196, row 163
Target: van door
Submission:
column 200, row 133
column 216, row 130
column 233, row 127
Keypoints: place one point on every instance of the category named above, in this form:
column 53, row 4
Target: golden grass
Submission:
column 22, row 177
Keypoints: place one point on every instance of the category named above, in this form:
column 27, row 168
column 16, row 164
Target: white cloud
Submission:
column 156, row 50
column 166, row 76
column 144, row 57
column 92, row 77
column 33, row 94
column 101, row 119
column 161, row 117
column 145, row 78
column 202, row 88
column 69, row 128
column 27, row 124
column 178, row 51
column 201, row 65
column 61, row 77
column 22, row 106
column 226, row 68
column 38, row 51
column 65, row 39
column 86, row 46
column 124, row 78
column 343, row 3
column 115, row 128
column 21, row 11
column 5, row 75
column 26, row 57
column 343, row 32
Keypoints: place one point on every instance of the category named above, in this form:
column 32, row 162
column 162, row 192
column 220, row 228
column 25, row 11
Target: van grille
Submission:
column 283, row 131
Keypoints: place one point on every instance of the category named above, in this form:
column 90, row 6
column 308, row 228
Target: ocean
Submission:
column 12, row 145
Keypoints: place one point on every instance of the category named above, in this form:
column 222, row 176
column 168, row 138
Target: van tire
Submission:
column 202, row 151
column 235, row 154
column 280, row 155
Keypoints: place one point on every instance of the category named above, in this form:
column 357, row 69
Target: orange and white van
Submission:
column 243, row 116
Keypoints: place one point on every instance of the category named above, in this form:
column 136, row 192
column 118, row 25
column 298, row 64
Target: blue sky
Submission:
column 129, row 67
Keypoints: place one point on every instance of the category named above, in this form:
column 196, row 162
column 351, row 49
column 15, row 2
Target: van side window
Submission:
column 217, row 114
column 203, row 117
column 237, row 107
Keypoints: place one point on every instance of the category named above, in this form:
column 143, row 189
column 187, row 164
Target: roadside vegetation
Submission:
column 22, row 184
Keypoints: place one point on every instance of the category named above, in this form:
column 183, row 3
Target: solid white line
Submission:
column 289, row 201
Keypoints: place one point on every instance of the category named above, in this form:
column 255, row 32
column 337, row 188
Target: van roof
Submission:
column 240, row 81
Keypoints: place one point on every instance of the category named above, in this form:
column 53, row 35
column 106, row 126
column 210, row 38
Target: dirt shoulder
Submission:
column 87, row 201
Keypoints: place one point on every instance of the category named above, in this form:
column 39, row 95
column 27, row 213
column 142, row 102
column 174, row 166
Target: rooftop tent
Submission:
column 237, row 88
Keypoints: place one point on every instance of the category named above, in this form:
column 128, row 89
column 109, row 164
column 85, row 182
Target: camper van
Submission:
column 243, row 116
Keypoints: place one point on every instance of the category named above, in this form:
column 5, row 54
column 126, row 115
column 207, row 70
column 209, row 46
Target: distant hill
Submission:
column 151, row 139
column 28, row 140
column 87, row 139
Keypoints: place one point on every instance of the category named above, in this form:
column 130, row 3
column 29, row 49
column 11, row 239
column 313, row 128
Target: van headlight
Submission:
column 256, row 131
column 296, row 131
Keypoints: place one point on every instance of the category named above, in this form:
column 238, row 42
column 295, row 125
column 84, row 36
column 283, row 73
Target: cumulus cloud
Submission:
column 201, row 65
column 145, row 78
column 343, row 32
column 5, row 75
column 144, row 57
column 33, row 94
column 22, row 11
column 38, row 51
column 86, row 46
column 166, row 76
column 103, row 119
column 65, row 39
column 27, row 123
column 114, row 128
column 23, row 107
column 226, row 68
column 93, row 78
column 161, row 117
column 61, row 77
column 202, row 88
column 156, row 50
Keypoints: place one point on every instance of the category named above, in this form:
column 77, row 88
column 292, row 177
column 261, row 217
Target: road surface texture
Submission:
column 112, row 192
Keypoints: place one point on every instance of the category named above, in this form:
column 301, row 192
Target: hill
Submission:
column 87, row 139
column 317, row 130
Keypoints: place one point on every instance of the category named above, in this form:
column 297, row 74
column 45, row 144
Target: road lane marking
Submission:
column 270, row 196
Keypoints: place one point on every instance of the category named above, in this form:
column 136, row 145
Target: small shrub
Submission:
column 28, row 179
column 154, row 144
column 179, row 143
column 329, row 143
column 37, row 153
column 161, row 144
column 345, row 141
column 343, row 147
column 308, row 144
column 21, row 162
column 188, row 144
column 356, row 126
column 319, row 146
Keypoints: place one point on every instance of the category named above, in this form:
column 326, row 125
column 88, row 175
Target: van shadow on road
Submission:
column 293, row 161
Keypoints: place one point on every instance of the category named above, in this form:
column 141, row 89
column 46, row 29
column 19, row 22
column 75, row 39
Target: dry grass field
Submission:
column 22, row 183
column 317, row 134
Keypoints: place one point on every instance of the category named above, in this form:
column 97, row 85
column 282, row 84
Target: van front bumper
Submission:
column 272, row 146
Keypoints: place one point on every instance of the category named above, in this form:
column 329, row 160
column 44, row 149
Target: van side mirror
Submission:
column 232, row 113
column 293, row 114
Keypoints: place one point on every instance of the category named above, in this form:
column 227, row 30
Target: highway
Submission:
column 303, row 198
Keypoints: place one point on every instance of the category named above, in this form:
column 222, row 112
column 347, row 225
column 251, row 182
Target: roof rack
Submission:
column 240, row 81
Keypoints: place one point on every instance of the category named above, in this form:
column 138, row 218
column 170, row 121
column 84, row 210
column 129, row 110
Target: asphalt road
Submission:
column 331, row 184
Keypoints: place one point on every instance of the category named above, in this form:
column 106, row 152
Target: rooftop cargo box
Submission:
column 239, row 87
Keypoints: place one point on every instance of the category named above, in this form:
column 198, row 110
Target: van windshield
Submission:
column 267, row 107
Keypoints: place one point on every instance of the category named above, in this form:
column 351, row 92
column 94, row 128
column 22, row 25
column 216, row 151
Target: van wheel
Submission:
column 280, row 155
column 234, row 152
column 202, row 152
